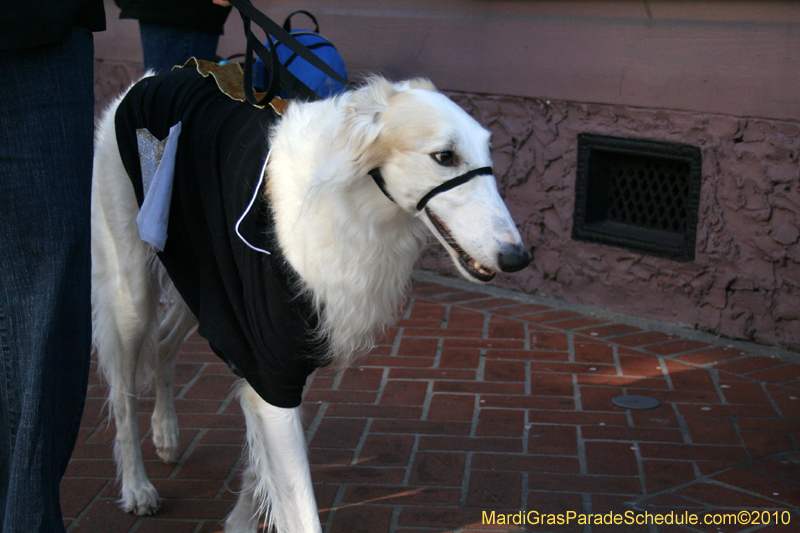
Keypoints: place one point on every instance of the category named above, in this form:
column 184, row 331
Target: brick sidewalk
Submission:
column 485, row 401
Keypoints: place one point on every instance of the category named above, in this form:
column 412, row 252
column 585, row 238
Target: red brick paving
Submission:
column 478, row 402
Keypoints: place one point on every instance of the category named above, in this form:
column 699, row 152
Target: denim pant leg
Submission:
column 167, row 45
column 46, row 136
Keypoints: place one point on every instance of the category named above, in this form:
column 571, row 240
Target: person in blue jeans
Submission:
column 172, row 31
column 46, row 137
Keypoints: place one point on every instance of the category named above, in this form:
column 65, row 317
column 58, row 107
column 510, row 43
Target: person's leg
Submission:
column 46, row 137
column 167, row 45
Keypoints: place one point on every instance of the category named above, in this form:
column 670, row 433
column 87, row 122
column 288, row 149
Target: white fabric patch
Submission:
column 157, row 161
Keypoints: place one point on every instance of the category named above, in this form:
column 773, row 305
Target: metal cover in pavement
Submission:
column 636, row 402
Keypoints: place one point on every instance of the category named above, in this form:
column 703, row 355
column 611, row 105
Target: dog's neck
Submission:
column 353, row 249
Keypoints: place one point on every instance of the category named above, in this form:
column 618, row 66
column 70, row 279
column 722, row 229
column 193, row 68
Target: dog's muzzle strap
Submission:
column 380, row 182
column 450, row 184
column 446, row 186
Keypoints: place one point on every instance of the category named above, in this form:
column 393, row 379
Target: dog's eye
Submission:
column 445, row 158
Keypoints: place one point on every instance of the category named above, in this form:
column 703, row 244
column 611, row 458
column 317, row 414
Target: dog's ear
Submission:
column 354, row 151
column 363, row 122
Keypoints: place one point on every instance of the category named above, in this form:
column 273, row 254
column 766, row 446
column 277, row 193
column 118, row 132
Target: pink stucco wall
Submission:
column 718, row 74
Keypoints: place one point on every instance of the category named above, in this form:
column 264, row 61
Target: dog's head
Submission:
column 430, row 158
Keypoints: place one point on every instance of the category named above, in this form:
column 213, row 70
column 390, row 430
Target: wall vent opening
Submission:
column 639, row 195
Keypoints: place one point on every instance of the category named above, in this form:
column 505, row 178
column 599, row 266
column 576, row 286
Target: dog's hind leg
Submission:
column 279, row 484
column 124, row 324
column 124, row 298
column 138, row 495
column 176, row 324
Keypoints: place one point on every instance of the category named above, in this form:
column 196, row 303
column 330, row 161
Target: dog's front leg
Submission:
column 277, row 480
column 245, row 516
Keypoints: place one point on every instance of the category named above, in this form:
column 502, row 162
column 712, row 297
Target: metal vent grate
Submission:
column 640, row 195
column 648, row 192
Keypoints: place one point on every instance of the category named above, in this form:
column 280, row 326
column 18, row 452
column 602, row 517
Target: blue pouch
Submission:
column 315, row 79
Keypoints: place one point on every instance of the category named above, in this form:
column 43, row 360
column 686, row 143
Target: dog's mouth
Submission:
column 473, row 267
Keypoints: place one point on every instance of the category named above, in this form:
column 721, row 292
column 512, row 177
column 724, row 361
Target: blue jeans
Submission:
column 46, row 123
column 167, row 45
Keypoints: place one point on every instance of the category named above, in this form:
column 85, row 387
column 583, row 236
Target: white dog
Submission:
column 352, row 181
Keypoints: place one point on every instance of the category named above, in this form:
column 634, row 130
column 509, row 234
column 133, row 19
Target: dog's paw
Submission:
column 167, row 447
column 166, row 436
column 141, row 501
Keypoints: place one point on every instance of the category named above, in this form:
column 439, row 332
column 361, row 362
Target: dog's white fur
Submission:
column 352, row 248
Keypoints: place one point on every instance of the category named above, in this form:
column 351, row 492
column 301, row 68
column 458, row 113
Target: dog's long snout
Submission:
column 513, row 258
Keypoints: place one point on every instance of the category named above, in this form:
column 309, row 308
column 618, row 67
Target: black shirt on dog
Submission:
column 246, row 301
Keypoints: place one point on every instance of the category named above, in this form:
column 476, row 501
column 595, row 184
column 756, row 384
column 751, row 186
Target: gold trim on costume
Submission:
column 230, row 80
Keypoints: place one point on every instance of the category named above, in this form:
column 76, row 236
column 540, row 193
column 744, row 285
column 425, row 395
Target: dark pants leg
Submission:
column 46, row 128
column 167, row 45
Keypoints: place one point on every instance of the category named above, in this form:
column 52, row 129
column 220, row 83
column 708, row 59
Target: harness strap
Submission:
column 280, row 76
column 380, row 182
column 446, row 186
column 449, row 184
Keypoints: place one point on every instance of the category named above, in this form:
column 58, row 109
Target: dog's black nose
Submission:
column 513, row 258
